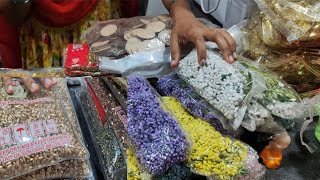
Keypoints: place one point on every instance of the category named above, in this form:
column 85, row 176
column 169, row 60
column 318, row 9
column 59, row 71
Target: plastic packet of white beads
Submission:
column 35, row 129
column 228, row 88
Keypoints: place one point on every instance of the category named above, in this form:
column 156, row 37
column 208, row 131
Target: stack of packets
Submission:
column 79, row 61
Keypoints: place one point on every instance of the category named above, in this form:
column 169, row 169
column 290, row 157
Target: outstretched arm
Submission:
column 187, row 28
column 16, row 13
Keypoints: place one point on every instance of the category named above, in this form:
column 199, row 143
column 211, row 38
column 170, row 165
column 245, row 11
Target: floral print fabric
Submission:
column 43, row 47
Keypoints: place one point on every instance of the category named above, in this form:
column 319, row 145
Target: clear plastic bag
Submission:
column 155, row 136
column 258, row 98
column 211, row 154
column 296, row 63
column 68, row 168
column 312, row 106
column 114, row 113
column 111, row 150
column 261, row 36
column 36, row 129
column 118, row 38
column 172, row 85
column 228, row 88
column 276, row 92
column 235, row 32
column 149, row 63
column 110, row 153
column 80, row 61
column 275, row 109
column 293, row 19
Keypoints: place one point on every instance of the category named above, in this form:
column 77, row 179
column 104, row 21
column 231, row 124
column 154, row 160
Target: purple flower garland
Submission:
column 172, row 85
column 156, row 135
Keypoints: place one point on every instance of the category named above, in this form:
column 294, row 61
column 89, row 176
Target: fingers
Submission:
column 48, row 82
column 201, row 49
column 231, row 42
column 30, row 84
column 225, row 43
column 175, row 50
column 8, row 84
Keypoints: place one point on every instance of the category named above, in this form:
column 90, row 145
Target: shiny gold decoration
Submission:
column 292, row 61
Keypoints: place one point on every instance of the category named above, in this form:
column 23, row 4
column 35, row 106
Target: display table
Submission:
column 297, row 164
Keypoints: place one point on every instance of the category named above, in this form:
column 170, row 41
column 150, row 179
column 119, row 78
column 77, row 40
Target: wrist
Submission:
column 178, row 12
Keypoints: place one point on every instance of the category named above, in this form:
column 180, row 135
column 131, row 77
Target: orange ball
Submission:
column 271, row 158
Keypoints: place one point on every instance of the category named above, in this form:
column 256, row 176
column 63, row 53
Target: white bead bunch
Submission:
column 288, row 110
column 220, row 83
column 256, row 116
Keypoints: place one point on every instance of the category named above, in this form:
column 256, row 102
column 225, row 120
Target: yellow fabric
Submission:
column 44, row 46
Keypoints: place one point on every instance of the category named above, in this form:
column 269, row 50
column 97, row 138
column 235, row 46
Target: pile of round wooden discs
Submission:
column 128, row 36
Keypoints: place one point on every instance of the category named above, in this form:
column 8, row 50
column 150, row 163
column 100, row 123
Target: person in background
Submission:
column 46, row 27
column 53, row 24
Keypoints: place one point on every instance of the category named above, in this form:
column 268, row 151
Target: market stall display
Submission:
column 194, row 128
column 213, row 155
column 156, row 137
column 44, row 138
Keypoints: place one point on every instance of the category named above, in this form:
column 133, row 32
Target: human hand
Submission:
column 30, row 83
column 187, row 28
